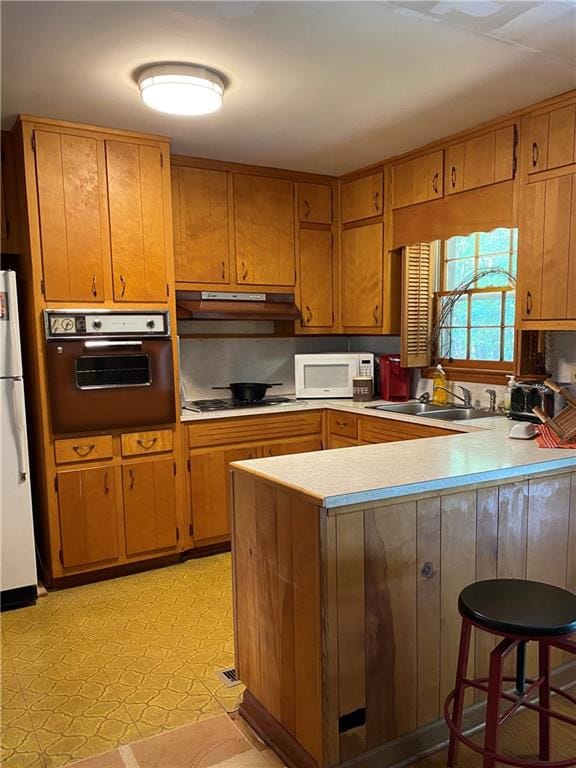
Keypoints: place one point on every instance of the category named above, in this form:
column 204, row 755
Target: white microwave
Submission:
column 330, row 375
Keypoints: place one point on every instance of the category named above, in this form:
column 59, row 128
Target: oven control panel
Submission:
column 84, row 324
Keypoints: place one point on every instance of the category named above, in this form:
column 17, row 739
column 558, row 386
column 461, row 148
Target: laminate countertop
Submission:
column 367, row 473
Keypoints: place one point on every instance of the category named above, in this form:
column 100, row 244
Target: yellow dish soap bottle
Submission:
column 439, row 396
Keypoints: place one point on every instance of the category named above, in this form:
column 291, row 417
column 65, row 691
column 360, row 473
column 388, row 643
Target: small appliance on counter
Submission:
column 331, row 374
column 394, row 379
column 524, row 397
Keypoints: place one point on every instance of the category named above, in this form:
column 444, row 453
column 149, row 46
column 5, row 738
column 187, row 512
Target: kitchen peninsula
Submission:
column 347, row 568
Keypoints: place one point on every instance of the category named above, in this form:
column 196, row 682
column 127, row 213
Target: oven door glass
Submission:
column 111, row 371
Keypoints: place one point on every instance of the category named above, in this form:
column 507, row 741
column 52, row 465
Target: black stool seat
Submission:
column 519, row 607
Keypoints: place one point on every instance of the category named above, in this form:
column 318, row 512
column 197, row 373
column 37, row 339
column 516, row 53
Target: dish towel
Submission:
column 547, row 438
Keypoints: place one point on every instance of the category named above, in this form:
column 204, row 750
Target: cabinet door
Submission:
column 316, row 278
column 530, row 249
column 315, row 203
column 286, row 447
column 362, row 277
column 200, row 211
column 88, row 516
column 362, row 198
column 418, row 180
column 149, row 506
column 72, row 228
column 264, row 230
column 136, row 221
column 210, row 489
column 561, row 131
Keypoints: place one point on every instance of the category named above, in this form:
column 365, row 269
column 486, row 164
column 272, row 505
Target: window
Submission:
column 475, row 308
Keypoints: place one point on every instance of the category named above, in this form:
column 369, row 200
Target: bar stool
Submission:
column 519, row 612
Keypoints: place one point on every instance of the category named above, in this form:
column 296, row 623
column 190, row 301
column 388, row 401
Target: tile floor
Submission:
column 94, row 667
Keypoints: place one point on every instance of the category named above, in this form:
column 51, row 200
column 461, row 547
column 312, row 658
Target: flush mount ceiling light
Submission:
column 181, row 89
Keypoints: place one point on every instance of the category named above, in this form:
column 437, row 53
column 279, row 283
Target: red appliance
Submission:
column 394, row 379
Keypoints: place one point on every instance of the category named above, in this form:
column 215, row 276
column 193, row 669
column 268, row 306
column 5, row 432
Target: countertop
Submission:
column 344, row 476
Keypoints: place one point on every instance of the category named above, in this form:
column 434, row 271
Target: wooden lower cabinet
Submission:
column 295, row 445
column 209, row 489
column 88, row 508
column 149, row 506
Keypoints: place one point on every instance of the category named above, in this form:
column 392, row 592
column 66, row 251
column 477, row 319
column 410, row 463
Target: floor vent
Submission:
column 228, row 676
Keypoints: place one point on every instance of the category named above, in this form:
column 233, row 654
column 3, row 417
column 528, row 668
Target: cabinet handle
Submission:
column 131, row 474
column 94, row 290
column 453, row 176
column 535, row 154
column 106, row 486
column 146, row 444
column 435, row 183
column 307, row 209
column 309, row 318
column 427, row 570
column 341, row 424
column 375, row 315
column 528, row 302
column 123, row 283
column 83, row 450
column 376, row 201
column 223, row 271
column 244, row 271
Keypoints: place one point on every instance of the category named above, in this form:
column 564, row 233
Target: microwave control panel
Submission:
column 77, row 324
column 366, row 368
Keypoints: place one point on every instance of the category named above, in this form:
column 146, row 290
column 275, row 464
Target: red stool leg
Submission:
column 493, row 700
column 459, row 689
column 544, row 700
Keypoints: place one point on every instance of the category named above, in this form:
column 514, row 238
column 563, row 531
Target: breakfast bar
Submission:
column 348, row 564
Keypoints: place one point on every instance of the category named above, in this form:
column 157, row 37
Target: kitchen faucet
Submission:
column 492, row 406
column 466, row 395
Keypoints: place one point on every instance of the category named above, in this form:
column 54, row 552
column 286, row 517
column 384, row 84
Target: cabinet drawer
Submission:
column 341, row 442
column 254, row 429
column 138, row 443
column 83, row 449
column 344, row 424
column 377, row 430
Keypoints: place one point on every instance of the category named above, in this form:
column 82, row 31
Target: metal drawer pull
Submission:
column 244, row 271
column 309, row 318
column 307, row 209
column 535, row 154
column 123, row 283
column 83, row 450
column 427, row 570
column 377, row 201
column 223, row 271
column 528, row 303
column 435, row 183
column 131, row 474
column 453, row 176
column 94, row 291
column 106, row 486
column 375, row 315
column 341, row 424
column 146, row 444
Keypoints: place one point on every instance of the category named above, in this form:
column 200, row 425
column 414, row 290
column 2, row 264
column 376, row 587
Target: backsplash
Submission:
column 207, row 363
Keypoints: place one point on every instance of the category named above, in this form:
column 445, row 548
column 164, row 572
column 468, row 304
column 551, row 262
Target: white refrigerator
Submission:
column 18, row 562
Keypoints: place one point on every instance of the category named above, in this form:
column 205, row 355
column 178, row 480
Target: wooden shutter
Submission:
column 417, row 277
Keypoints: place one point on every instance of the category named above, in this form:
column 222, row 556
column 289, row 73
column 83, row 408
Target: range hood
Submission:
column 224, row 305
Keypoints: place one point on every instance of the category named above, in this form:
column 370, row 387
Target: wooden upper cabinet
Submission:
column 315, row 203
column 137, row 235
column 264, row 230
column 552, row 139
column 316, row 278
column 149, row 506
column 362, row 198
column 547, row 250
column 9, row 201
column 88, row 515
column 481, row 161
column 418, row 180
column 71, row 203
column 362, row 286
column 200, row 216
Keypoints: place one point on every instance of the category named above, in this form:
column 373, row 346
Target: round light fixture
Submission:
column 181, row 89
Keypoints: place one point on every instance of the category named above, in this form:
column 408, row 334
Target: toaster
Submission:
column 523, row 398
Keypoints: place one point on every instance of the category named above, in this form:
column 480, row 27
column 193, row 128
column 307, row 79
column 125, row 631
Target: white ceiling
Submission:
column 316, row 86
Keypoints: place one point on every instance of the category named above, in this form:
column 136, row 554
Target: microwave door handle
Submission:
column 109, row 344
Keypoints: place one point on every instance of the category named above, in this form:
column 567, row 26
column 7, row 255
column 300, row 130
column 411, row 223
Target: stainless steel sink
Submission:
column 460, row 414
column 412, row 409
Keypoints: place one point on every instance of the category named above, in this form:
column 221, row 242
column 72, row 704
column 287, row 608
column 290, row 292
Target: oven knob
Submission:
column 97, row 324
column 150, row 324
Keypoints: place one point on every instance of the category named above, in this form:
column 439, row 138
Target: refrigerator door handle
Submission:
column 20, row 437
